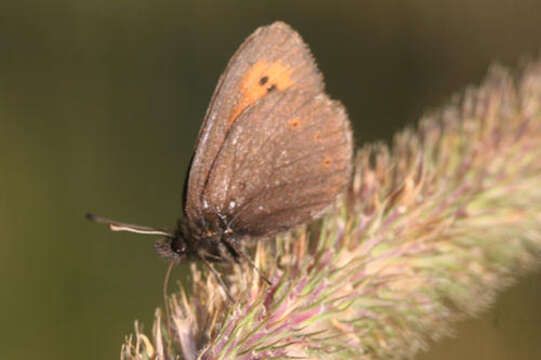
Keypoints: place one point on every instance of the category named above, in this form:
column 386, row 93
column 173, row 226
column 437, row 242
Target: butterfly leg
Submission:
column 217, row 276
column 233, row 244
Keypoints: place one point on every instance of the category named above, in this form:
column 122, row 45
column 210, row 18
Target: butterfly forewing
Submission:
column 273, row 59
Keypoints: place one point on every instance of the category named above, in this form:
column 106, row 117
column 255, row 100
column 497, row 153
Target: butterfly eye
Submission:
column 178, row 246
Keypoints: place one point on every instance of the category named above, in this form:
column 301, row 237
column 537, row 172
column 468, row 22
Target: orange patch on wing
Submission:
column 327, row 162
column 294, row 123
column 259, row 80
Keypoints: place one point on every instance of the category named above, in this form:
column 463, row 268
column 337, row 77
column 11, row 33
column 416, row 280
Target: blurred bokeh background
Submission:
column 100, row 104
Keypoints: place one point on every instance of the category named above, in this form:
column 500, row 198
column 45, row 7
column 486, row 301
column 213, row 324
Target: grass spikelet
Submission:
column 428, row 233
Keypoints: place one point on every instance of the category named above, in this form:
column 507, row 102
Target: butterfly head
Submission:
column 173, row 248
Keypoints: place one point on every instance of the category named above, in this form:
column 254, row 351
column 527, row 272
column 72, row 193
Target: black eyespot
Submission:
column 271, row 88
column 263, row 80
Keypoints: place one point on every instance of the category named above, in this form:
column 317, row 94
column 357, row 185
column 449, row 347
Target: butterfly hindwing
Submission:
column 283, row 162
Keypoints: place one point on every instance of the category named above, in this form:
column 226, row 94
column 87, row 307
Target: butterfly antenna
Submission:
column 137, row 229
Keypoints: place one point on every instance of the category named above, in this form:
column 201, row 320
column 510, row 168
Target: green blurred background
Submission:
column 100, row 103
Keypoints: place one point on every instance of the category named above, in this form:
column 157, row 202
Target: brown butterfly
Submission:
column 273, row 153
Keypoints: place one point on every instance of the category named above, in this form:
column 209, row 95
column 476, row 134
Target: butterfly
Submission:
column 273, row 152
